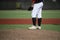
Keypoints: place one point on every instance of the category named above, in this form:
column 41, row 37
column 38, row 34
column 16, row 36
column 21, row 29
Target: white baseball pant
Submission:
column 37, row 10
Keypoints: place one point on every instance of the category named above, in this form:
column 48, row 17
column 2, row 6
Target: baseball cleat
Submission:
column 38, row 27
column 33, row 27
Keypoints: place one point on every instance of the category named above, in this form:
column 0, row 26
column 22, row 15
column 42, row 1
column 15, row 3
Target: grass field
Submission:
column 27, row 14
column 25, row 26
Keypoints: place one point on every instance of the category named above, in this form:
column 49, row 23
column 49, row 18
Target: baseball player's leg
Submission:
column 40, row 10
column 40, row 16
column 39, row 23
column 34, row 14
column 35, row 10
column 40, row 13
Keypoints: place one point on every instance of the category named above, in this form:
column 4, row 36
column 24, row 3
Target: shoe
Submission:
column 38, row 27
column 33, row 27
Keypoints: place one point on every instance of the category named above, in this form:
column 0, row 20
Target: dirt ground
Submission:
column 29, row 21
column 25, row 34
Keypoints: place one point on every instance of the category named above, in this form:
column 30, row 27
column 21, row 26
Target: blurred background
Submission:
column 24, row 4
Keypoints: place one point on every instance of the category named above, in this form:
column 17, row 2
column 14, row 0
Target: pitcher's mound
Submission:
column 25, row 34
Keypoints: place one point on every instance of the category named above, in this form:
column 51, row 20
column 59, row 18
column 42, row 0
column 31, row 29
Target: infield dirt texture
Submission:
column 25, row 34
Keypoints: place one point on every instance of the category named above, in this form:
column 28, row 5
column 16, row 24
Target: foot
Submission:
column 38, row 27
column 33, row 27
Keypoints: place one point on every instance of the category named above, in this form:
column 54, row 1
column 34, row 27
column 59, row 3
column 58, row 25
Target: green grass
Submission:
column 15, row 14
column 53, row 27
column 25, row 26
column 27, row 14
column 51, row 14
column 13, row 26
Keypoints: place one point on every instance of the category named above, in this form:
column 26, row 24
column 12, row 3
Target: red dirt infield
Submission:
column 28, row 21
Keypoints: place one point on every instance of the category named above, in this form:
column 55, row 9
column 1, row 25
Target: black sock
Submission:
column 34, row 21
column 39, row 21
